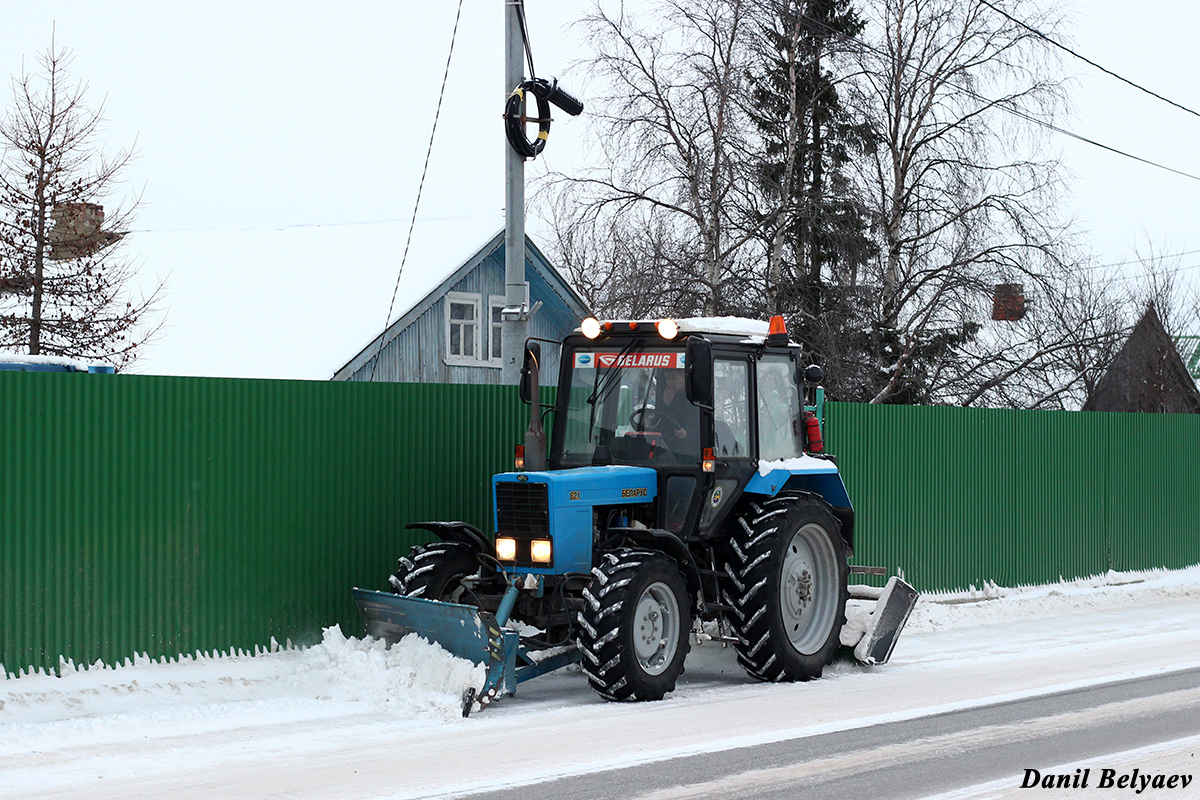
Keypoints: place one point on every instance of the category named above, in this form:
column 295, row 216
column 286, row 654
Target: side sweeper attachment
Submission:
column 893, row 603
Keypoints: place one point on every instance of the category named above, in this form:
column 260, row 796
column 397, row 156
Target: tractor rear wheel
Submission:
column 633, row 630
column 436, row 571
column 786, row 582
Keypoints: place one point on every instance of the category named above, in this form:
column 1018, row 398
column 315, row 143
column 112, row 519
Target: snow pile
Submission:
column 993, row 605
column 997, row 605
column 421, row 684
column 413, row 679
column 349, row 718
column 858, row 621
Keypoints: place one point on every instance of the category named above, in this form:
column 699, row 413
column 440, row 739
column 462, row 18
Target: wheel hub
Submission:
column 802, row 585
column 650, row 628
column 807, row 589
column 655, row 628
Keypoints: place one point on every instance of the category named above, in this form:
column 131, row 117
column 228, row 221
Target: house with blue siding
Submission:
column 451, row 334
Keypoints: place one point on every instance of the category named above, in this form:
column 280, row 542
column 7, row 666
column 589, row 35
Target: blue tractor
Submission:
column 683, row 492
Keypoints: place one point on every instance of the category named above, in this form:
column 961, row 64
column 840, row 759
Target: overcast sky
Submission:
column 280, row 148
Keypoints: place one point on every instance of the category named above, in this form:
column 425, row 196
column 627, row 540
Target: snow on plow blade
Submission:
column 892, row 607
column 464, row 631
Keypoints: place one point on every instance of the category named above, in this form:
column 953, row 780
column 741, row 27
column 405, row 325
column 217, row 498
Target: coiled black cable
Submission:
column 515, row 119
column 545, row 92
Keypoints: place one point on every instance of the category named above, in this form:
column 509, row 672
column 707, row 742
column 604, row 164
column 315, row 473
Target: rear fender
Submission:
column 818, row 476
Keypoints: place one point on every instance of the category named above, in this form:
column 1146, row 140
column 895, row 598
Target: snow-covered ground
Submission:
column 348, row 718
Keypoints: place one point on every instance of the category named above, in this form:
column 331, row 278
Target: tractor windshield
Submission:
column 631, row 402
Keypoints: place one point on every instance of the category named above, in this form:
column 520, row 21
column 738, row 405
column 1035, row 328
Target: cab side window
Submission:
column 779, row 425
column 731, row 407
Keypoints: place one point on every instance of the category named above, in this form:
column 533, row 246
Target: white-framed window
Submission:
column 496, row 328
column 463, row 327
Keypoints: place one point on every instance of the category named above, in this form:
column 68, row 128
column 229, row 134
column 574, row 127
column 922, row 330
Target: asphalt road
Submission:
column 916, row 758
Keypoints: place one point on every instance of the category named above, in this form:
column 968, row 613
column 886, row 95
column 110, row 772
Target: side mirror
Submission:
column 529, row 371
column 699, row 360
column 814, row 374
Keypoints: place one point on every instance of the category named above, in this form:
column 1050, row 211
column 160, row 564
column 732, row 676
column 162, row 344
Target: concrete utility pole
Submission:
column 515, row 328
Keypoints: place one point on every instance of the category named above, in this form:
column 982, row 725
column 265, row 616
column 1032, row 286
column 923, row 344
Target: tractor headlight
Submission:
column 590, row 327
column 506, row 549
column 667, row 328
column 541, row 551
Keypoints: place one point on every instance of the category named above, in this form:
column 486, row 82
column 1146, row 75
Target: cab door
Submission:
column 733, row 442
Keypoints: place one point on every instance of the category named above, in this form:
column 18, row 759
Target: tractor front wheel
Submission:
column 633, row 631
column 786, row 582
column 436, row 572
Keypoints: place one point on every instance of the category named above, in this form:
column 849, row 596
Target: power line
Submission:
column 420, row 186
column 1142, row 276
column 856, row 40
column 1073, row 135
column 269, row 226
column 1144, row 260
column 1016, row 112
column 287, row 226
column 1003, row 105
column 1105, row 70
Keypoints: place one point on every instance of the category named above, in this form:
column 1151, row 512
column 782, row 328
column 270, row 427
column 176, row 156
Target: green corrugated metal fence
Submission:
column 167, row 515
column 955, row 497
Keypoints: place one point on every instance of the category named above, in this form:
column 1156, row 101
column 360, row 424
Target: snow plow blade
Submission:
column 458, row 628
column 464, row 631
column 892, row 608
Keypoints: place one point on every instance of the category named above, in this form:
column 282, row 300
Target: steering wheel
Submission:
column 644, row 417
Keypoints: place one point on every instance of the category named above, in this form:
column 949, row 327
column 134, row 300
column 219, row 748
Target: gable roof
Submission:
column 1147, row 375
column 421, row 289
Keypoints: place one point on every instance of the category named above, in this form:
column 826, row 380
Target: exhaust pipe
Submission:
column 535, row 435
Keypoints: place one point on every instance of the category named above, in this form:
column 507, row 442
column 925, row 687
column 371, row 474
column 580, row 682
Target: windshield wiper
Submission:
column 602, row 388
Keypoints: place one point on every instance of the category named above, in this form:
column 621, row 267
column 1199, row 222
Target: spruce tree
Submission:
column 818, row 237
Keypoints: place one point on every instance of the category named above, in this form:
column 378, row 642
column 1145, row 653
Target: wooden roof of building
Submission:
column 1147, row 375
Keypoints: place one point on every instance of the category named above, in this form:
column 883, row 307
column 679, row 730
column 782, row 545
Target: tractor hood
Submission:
column 591, row 486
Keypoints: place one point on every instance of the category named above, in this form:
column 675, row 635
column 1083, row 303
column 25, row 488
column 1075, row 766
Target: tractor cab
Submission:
column 703, row 402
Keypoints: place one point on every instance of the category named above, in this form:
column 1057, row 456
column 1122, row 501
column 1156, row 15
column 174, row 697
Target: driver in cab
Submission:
column 673, row 401
column 678, row 417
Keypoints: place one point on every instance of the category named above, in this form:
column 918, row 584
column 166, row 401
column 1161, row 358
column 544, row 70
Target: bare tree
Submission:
column 962, row 199
column 632, row 264
column 1158, row 284
column 735, row 131
column 59, row 251
column 1052, row 357
column 660, row 223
